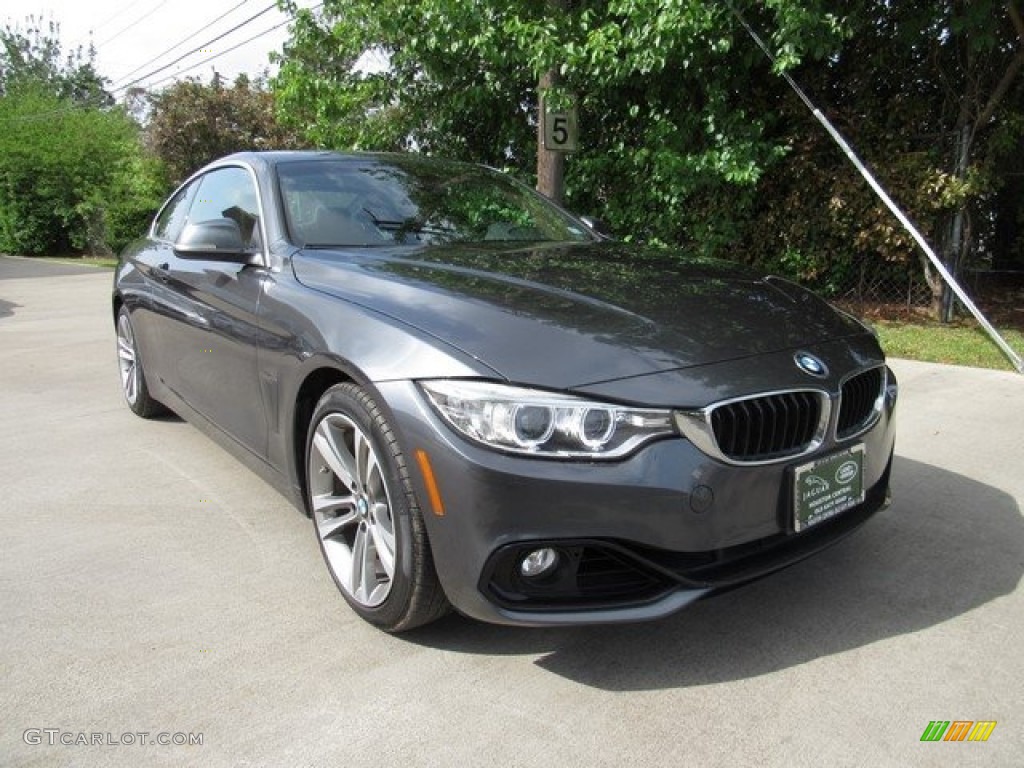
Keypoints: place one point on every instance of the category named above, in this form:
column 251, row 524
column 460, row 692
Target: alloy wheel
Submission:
column 127, row 359
column 352, row 509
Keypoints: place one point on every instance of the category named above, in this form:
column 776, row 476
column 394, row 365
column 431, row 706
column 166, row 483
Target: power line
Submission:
column 110, row 18
column 235, row 47
column 181, row 42
column 66, row 110
column 222, row 53
column 135, row 23
column 198, row 48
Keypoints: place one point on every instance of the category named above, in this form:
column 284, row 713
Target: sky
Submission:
column 132, row 37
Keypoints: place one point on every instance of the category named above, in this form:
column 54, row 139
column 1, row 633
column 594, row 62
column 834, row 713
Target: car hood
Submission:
column 566, row 316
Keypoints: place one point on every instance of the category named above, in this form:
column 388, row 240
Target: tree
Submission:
column 32, row 58
column 72, row 173
column 932, row 97
column 191, row 124
column 987, row 40
column 70, row 178
column 437, row 92
column 661, row 92
column 688, row 136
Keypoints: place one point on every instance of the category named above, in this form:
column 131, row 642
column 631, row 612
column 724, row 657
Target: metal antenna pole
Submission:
column 1013, row 357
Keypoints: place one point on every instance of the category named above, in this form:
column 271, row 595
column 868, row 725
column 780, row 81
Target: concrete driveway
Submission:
column 151, row 584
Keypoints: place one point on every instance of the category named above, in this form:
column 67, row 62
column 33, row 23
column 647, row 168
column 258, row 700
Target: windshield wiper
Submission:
column 408, row 225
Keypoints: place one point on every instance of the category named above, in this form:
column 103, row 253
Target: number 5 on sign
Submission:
column 560, row 130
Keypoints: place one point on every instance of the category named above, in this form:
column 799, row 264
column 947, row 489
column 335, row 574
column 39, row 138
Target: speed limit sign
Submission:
column 561, row 133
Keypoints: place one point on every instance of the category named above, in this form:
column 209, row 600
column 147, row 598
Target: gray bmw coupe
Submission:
column 481, row 403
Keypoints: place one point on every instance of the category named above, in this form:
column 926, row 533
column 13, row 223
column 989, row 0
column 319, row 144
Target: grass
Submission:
column 103, row 262
column 956, row 344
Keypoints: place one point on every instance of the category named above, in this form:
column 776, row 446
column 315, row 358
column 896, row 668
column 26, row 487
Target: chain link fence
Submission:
column 873, row 281
column 874, row 286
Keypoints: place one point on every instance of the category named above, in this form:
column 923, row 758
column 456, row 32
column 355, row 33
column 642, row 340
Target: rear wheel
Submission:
column 133, row 379
column 365, row 514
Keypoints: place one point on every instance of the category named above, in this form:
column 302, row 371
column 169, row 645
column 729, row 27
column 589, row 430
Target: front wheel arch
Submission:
column 309, row 393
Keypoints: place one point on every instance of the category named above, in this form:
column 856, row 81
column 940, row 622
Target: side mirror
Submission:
column 597, row 226
column 217, row 239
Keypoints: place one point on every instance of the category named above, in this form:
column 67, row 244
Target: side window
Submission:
column 229, row 193
column 171, row 218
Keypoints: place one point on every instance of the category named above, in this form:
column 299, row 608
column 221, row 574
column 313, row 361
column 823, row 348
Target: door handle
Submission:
column 160, row 270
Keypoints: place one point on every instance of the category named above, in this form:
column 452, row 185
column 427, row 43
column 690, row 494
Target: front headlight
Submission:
column 544, row 424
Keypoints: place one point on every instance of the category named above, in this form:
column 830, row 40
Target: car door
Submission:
column 210, row 334
column 144, row 285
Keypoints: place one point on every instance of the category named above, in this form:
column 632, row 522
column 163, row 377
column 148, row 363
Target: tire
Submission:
column 365, row 514
column 133, row 379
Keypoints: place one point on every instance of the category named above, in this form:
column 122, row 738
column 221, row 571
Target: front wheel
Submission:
column 365, row 514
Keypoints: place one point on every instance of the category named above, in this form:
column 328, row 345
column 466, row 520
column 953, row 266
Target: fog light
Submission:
column 539, row 562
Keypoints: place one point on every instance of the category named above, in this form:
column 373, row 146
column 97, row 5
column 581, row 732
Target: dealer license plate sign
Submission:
column 828, row 486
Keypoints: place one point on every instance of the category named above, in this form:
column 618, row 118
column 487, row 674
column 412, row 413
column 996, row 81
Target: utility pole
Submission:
column 550, row 164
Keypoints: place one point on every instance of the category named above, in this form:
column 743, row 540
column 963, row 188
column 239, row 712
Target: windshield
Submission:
column 410, row 201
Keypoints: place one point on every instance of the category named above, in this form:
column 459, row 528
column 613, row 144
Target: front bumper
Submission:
column 638, row 538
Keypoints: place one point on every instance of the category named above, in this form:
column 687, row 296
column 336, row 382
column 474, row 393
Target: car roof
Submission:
column 270, row 158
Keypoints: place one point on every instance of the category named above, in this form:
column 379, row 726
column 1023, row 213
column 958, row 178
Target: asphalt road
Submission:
column 150, row 583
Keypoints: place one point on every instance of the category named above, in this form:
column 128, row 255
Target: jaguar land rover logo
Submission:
column 808, row 363
column 846, row 472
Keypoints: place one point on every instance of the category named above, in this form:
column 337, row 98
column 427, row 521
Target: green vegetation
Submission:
column 688, row 137
column 73, row 174
column 192, row 124
column 71, row 180
column 79, row 173
column 674, row 131
column 954, row 344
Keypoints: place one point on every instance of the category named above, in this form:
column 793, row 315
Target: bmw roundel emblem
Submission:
column 808, row 363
